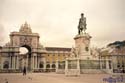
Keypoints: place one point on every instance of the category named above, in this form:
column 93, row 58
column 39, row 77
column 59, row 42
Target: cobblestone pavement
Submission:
column 51, row 78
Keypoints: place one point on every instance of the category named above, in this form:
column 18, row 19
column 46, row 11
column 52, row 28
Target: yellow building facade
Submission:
column 56, row 55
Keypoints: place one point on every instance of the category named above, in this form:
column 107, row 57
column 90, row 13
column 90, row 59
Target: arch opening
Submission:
column 48, row 66
column 6, row 65
column 25, row 61
column 41, row 65
column 53, row 66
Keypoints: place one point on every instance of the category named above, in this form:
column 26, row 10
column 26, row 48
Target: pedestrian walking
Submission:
column 24, row 70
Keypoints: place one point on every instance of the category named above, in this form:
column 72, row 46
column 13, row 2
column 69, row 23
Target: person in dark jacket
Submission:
column 24, row 70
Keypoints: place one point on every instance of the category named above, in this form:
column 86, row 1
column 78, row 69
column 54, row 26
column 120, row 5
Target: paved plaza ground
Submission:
column 51, row 78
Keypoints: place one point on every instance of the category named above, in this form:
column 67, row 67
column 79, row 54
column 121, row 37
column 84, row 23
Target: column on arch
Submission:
column 35, row 62
column 14, row 61
column 10, row 62
column 17, row 62
column 38, row 61
column 32, row 62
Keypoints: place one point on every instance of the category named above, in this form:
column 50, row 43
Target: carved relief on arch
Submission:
column 25, row 40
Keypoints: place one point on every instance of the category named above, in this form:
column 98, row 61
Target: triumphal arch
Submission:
column 14, row 61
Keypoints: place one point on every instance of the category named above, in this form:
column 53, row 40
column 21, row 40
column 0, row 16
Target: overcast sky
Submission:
column 56, row 21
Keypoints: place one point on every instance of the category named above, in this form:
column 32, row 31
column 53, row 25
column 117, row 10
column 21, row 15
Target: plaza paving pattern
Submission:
column 51, row 78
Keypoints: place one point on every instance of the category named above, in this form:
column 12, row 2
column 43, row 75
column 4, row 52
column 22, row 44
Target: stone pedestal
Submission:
column 82, row 45
column 81, row 51
column 71, row 68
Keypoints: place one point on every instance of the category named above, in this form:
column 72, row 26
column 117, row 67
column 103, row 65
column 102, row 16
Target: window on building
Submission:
column 48, row 66
column 104, row 64
column 61, row 65
column 110, row 65
column 118, row 65
column 53, row 66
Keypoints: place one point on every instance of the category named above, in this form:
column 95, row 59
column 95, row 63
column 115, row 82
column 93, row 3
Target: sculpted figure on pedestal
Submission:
column 82, row 24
